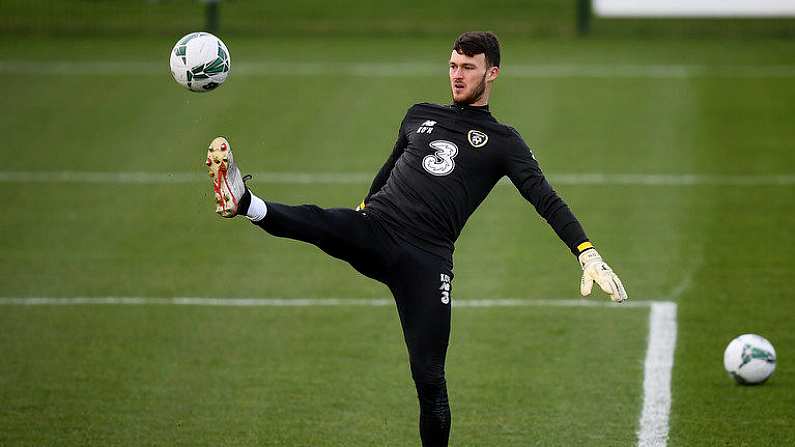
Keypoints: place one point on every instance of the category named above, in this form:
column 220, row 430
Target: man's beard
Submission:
column 476, row 94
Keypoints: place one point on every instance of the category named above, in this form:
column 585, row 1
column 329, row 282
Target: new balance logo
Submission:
column 445, row 288
column 427, row 127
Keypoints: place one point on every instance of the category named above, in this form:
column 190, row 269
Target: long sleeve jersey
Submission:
column 446, row 160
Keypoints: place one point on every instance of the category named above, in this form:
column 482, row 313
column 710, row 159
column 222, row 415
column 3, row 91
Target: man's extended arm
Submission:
column 525, row 173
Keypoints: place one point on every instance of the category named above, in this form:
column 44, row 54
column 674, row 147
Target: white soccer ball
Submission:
column 749, row 359
column 200, row 62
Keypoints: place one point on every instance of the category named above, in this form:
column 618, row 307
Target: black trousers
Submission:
column 419, row 281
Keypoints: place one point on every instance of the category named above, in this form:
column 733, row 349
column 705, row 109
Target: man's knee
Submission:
column 427, row 371
column 433, row 396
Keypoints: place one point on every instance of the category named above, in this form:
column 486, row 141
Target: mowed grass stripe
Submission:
column 114, row 375
column 657, row 366
column 406, row 69
column 158, row 178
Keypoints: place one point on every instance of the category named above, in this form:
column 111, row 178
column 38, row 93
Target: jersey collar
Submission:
column 483, row 108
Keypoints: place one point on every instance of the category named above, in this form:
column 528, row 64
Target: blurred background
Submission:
column 533, row 18
column 667, row 127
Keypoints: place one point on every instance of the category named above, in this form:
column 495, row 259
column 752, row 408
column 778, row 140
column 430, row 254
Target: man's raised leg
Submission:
column 343, row 233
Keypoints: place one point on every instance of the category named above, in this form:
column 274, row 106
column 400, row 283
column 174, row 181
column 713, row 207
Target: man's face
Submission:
column 469, row 78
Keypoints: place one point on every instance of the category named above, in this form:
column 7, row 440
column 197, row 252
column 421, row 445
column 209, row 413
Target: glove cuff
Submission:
column 588, row 256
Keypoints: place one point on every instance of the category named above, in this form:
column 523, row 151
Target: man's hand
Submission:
column 594, row 269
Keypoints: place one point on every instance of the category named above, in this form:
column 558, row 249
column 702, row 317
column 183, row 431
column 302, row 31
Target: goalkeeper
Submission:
column 446, row 160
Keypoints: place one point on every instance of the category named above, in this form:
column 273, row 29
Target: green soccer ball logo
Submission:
column 750, row 359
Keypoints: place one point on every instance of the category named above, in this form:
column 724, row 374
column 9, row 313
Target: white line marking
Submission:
column 175, row 177
column 659, row 363
column 576, row 302
column 673, row 179
column 359, row 178
column 653, row 431
column 404, row 69
column 307, row 302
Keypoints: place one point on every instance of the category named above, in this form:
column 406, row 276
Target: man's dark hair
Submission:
column 476, row 42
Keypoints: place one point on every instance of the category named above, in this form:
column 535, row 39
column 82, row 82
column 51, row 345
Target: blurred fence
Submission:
column 545, row 18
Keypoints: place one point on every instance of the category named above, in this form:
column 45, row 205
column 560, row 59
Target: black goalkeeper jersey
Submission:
column 446, row 160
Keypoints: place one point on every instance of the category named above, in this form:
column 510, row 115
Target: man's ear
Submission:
column 492, row 73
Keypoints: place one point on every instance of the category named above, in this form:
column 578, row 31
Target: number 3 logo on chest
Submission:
column 441, row 162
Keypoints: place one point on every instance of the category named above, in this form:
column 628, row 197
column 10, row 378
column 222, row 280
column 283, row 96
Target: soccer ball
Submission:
column 200, row 62
column 749, row 359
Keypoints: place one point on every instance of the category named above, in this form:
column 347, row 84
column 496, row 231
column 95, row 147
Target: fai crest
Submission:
column 477, row 138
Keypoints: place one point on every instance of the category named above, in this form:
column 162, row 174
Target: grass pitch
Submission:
column 161, row 375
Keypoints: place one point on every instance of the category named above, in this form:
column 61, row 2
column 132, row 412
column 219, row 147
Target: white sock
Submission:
column 256, row 209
